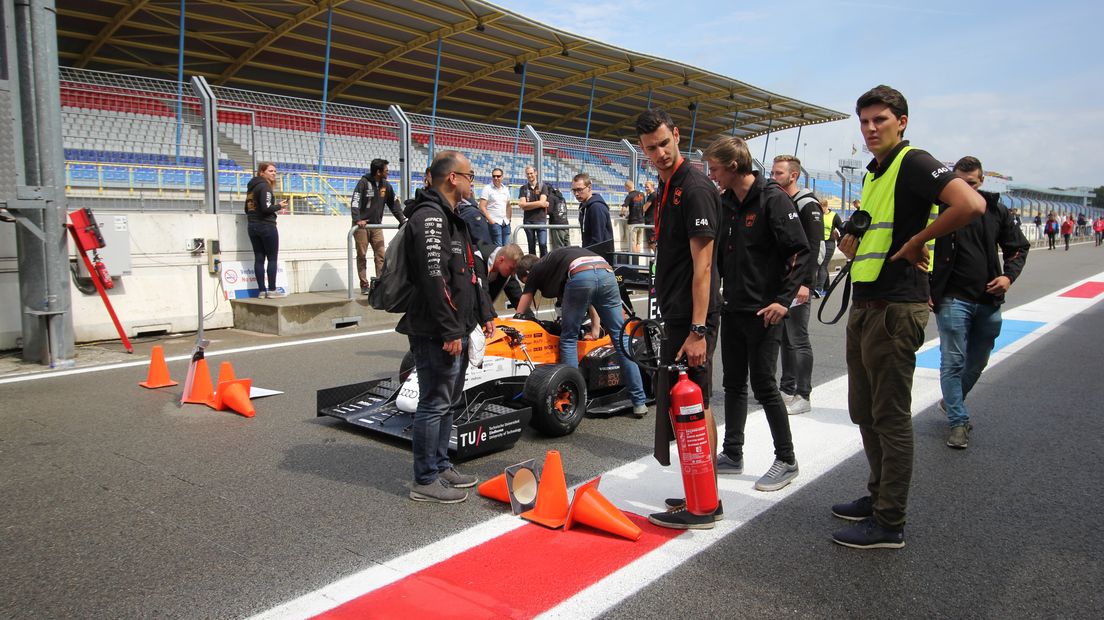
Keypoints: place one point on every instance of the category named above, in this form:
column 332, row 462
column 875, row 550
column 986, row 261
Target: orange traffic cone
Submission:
column 198, row 388
column 592, row 508
column 551, row 510
column 233, row 395
column 158, row 376
column 226, row 372
column 495, row 488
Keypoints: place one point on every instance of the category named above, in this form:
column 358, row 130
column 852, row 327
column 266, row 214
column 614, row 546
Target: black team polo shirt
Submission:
column 690, row 207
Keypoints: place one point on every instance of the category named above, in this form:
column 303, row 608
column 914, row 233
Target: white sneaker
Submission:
column 799, row 405
column 787, row 398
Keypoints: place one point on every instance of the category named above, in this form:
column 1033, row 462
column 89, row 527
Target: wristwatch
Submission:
column 698, row 329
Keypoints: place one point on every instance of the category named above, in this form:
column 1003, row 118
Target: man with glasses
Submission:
column 447, row 304
column 594, row 215
column 494, row 202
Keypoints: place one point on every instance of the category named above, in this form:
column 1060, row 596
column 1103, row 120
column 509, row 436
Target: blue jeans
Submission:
column 440, row 397
column 538, row 237
column 967, row 332
column 598, row 288
column 500, row 233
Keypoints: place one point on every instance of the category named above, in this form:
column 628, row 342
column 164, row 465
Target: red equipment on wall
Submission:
column 87, row 237
column 695, row 454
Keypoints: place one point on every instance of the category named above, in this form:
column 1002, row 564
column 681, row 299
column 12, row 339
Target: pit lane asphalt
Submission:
column 119, row 503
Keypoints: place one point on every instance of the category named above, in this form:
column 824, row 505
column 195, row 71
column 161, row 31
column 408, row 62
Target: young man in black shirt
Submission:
column 633, row 212
column 764, row 258
column 594, row 215
column 967, row 290
column 889, row 310
column 371, row 194
column 534, row 207
column 687, row 284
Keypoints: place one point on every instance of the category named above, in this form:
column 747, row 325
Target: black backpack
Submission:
column 557, row 206
column 392, row 290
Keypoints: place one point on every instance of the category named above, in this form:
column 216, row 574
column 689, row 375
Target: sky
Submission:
column 1020, row 85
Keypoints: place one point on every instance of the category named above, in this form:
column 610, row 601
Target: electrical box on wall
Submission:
column 115, row 253
column 214, row 256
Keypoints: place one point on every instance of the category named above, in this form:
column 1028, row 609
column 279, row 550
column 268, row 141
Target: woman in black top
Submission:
column 260, row 209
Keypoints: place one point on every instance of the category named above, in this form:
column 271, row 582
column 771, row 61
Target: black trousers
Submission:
column 748, row 348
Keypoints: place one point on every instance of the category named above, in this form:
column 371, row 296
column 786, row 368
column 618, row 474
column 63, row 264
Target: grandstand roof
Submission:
column 384, row 52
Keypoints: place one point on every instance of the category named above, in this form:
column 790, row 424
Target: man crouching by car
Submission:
column 447, row 304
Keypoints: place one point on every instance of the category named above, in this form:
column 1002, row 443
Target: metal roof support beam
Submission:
column 538, row 151
column 586, row 140
column 180, row 83
column 559, row 84
column 766, row 142
column 325, row 99
column 209, row 106
column 634, row 161
column 436, row 85
column 693, row 124
column 122, row 17
column 403, row 122
column 735, row 115
column 521, row 105
column 798, row 143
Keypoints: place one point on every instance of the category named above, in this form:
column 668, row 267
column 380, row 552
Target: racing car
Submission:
column 521, row 382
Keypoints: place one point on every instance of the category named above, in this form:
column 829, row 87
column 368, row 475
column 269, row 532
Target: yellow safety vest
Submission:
column 829, row 217
column 878, row 200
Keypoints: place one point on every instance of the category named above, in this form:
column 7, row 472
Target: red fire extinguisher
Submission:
column 101, row 271
column 695, row 455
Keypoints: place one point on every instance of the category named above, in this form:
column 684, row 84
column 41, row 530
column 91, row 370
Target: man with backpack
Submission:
column 796, row 384
column 446, row 304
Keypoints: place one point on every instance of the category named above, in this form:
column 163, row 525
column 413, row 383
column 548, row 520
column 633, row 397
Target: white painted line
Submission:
column 823, row 439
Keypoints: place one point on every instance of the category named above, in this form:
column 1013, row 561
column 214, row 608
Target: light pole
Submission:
column 804, row 151
column 829, row 167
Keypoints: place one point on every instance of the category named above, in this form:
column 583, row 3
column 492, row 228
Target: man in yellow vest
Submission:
column 890, row 308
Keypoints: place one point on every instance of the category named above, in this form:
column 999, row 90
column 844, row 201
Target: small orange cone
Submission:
column 200, row 382
column 495, row 488
column 592, row 508
column 226, row 372
column 158, row 376
column 551, row 510
column 233, row 395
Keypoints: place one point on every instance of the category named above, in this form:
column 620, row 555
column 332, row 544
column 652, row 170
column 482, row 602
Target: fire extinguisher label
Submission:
column 690, row 409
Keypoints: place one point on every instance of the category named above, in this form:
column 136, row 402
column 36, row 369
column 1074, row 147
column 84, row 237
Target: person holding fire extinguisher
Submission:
column 687, row 285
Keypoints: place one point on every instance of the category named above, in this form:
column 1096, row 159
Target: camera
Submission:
column 858, row 224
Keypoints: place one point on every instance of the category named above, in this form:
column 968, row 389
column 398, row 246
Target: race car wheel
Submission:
column 406, row 366
column 559, row 397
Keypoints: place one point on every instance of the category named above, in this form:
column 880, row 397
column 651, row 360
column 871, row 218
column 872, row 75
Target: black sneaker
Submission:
column 682, row 519
column 857, row 510
column 679, row 503
column 869, row 534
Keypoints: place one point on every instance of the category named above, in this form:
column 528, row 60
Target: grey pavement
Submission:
column 119, row 503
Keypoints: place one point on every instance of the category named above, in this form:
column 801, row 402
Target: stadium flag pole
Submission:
column 521, row 104
column 590, row 108
column 180, row 84
column 325, row 95
column 436, row 83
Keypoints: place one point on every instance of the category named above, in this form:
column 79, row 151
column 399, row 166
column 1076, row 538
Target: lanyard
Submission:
column 663, row 201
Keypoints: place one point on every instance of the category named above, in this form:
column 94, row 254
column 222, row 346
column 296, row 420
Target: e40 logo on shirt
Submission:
column 701, row 221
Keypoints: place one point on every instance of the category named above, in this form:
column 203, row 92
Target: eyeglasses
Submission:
column 469, row 175
column 576, row 190
column 496, row 176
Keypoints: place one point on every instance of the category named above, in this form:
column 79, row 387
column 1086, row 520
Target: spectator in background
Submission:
column 557, row 216
column 372, row 192
column 533, row 201
column 1038, row 223
column 1067, row 230
column 1051, row 229
column 1098, row 230
column 649, row 214
column 833, row 229
column 260, row 212
column 633, row 212
column 478, row 228
column 494, row 202
column 1016, row 221
column 1081, row 224
column 594, row 216
column 426, row 184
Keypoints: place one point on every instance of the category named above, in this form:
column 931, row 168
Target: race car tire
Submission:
column 406, row 366
column 559, row 396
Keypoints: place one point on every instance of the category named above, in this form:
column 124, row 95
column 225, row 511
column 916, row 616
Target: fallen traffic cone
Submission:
column 233, row 395
column 197, row 387
column 522, row 481
column 592, row 508
column 495, row 488
column 158, row 376
column 551, row 510
column 226, row 372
